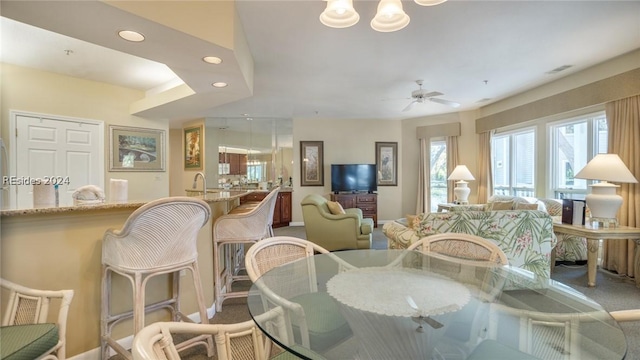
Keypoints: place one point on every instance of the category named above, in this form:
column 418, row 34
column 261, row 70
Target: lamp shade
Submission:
column 606, row 167
column 390, row 16
column 603, row 200
column 339, row 14
column 429, row 2
column 461, row 172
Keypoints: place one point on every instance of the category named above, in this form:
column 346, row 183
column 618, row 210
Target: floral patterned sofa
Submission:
column 526, row 236
column 570, row 248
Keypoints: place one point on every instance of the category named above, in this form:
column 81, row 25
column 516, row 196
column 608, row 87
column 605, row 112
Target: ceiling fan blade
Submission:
column 410, row 105
column 432, row 94
column 445, row 102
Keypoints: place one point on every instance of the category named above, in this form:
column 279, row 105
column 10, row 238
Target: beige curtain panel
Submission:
column 484, row 175
column 452, row 162
column 623, row 120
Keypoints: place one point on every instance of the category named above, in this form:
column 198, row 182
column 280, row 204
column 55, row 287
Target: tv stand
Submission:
column 367, row 202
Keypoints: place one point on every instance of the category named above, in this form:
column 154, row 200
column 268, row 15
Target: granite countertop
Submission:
column 217, row 196
column 235, row 189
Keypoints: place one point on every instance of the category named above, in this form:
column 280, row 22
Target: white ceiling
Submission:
column 467, row 50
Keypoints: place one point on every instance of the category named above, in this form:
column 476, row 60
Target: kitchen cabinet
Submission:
column 282, row 210
column 232, row 164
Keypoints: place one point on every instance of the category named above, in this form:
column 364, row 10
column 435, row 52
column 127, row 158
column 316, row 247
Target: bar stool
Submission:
column 158, row 238
column 230, row 233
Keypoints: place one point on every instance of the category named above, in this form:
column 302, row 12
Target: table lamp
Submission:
column 461, row 191
column 603, row 200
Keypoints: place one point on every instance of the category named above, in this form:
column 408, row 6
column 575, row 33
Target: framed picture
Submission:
column 193, row 148
column 136, row 149
column 387, row 163
column 311, row 163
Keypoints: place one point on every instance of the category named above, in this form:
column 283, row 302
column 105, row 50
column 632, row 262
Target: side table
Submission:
column 593, row 234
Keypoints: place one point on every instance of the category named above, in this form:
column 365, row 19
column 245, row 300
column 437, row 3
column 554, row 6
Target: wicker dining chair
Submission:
column 236, row 341
column 158, row 238
column 301, row 290
column 230, row 233
column 460, row 248
column 27, row 316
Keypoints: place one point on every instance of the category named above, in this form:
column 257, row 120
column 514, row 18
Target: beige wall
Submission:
column 347, row 142
column 35, row 91
column 181, row 179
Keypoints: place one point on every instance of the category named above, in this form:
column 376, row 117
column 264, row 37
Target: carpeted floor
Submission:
column 613, row 292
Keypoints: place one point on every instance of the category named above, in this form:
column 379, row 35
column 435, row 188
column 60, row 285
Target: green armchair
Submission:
column 335, row 232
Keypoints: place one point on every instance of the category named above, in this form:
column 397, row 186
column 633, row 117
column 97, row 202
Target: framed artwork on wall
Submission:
column 136, row 149
column 387, row 163
column 311, row 163
column 193, row 147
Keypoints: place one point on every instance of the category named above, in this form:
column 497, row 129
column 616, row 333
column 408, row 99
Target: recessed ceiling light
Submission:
column 212, row 60
column 130, row 35
column 219, row 84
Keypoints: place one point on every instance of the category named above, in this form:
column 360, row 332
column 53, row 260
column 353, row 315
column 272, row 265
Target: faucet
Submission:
column 204, row 183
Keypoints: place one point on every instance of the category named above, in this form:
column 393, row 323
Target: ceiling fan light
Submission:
column 390, row 16
column 429, row 2
column 339, row 14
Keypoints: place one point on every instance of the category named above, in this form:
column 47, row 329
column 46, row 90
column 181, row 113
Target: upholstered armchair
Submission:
column 335, row 231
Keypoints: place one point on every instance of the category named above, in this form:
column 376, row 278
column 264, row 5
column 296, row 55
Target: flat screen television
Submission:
column 353, row 178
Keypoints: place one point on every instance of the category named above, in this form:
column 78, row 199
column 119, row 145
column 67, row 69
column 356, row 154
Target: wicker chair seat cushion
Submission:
column 18, row 342
column 327, row 326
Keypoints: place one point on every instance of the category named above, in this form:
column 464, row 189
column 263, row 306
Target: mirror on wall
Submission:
column 248, row 152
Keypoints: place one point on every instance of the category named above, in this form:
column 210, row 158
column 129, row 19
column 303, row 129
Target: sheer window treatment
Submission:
column 424, row 172
column 623, row 120
column 424, row 134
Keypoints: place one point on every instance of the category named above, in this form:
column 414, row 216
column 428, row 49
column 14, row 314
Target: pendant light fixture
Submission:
column 429, row 2
column 339, row 14
column 390, row 16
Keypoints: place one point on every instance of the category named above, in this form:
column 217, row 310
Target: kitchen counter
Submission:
column 61, row 248
column 217, row 196
column 243, row 190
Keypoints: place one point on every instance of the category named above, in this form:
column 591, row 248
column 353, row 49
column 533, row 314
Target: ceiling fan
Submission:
column 420, row 96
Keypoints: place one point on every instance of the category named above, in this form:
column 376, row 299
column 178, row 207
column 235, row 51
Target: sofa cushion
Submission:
column 516, row 200
column 335, row 208
column 501, row 205
column 523, row 206
column 412, row 221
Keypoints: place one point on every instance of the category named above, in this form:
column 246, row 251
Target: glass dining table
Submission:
column 398, row 304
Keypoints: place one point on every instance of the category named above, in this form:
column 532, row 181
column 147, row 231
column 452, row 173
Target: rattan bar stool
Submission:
column 158, row 238
column 230, row 233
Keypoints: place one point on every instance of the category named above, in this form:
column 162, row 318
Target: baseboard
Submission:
column 94, row 354
column 296, row 224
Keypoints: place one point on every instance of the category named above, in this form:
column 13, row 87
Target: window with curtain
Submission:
column 438, row 180
column 574, row 142
column 513, row 162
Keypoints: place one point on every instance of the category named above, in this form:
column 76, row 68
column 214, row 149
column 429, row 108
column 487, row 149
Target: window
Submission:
column 513, row 163
column 256, row 170
column 573, row 143
column 438, row 181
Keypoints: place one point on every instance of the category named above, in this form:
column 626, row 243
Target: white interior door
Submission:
column 46, row 147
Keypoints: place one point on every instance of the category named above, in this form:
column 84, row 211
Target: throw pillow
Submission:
column 501, row 205
column 412, row 221
column 335, row 207
column 523, row 206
